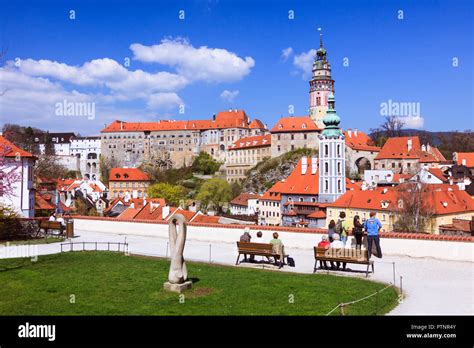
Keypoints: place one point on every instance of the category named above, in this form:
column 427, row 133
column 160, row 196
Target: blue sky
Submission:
column 233, row 46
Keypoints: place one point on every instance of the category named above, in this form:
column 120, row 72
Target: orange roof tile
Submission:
column 205, row 219
column 127, row 174
column 42, row 204
column 397, row 148
column 129, row 213
column 223, row 119
column 358, row 140
column 317, row 215
column 465, row 157
column 8, row 149
column 299, row 183
column 243, row 199
column 295, row 124
column 252, row 142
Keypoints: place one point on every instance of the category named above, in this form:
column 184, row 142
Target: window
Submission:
column 292, row 137
column 326, row 150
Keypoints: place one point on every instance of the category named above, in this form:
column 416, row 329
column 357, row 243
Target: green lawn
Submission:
column 106, row 283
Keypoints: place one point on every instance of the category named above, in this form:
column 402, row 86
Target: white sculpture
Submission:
column 178, row 272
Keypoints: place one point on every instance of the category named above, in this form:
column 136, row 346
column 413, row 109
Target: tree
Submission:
column 392, row 127
column 215, row 192
column 81, row 208
column 23, row 137
column 172, row 194
column 414, row 207
column 48, row 167
column 236, row 188
column 205, row 164
column 105, row 164
column 48, row 145
column 456, row 142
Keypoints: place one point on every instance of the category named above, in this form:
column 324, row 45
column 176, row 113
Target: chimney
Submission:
column 355, row 132
column 349, row 133
column 428, row 147
column 314, row 165
column 409, row 144
column 472, row 225
column 450, row 181
column 463, row 162
column 214, row 117
column 304, row 164
column 165, row 212
column 121, row 125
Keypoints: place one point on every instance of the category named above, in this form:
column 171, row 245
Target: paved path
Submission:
column 430, row 286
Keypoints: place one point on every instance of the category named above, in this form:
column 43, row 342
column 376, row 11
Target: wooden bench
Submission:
column 260, row 249
column 357, row 256
column 51, row 225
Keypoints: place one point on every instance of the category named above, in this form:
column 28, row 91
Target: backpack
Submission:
column 291, row 261
column 338, row 227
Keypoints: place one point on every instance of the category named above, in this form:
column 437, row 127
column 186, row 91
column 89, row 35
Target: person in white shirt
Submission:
column 337, row 244
column 52, row 217
column 61, row 220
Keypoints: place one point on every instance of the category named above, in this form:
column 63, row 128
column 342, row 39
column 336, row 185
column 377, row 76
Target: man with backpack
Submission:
column 342, row 227
column 373, row 226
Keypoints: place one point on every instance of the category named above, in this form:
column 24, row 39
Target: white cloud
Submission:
column 286, row 53
column 35, row 86
column 164, row 101
column 203, row 63
column 229, row 96
column 304, row 62
column 104, row 72
column 412, row 122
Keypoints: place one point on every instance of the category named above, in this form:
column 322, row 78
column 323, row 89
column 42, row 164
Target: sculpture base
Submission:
column 179, row 288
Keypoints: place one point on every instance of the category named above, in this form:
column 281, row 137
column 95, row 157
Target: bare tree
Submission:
column 9, row 175
column 393, row 126
column 414, row 207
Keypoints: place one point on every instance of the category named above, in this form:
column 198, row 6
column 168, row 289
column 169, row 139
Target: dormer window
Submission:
column 303, row 126
column 117, row 176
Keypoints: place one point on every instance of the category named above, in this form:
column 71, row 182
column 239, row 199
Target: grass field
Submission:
column 106, row 283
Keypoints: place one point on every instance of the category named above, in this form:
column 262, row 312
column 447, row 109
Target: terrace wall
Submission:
column 452, row 248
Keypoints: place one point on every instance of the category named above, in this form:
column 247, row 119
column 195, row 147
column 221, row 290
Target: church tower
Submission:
column 320, row 86
column 332, row 157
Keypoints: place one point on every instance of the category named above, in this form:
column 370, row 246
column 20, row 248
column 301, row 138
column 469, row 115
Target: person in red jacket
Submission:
column 324, row 243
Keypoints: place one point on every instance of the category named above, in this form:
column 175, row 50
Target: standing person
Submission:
column 373, row 226
column 331, row 230
column 357, row 231
column 342, row 227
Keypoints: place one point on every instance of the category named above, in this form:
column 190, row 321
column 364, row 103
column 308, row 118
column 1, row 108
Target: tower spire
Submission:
column 320, row 37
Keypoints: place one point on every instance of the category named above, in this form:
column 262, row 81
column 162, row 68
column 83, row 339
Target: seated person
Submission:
column 246, row 237
column 278, row 247
column 259, row 238
column 52, row 217
column 337, row 244
column 324, row 243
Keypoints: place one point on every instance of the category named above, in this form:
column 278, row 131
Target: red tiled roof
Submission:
column 256, row 124
column 299, row 183
column 397, row 148
column 188, row 215
column 468, row 157
column 243, row 199
column 41, row 203
column 129, row 213
column 295, row 124
column 440, row 198
column 8, row 149
column 438, row 172
column 127, row 174
column 317, row 215
column 358, row 140
column 201, row 218
column 252, row 142
column 224, row 119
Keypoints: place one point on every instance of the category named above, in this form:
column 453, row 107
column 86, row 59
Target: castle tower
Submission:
column 320, row 86
column 332, row 157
